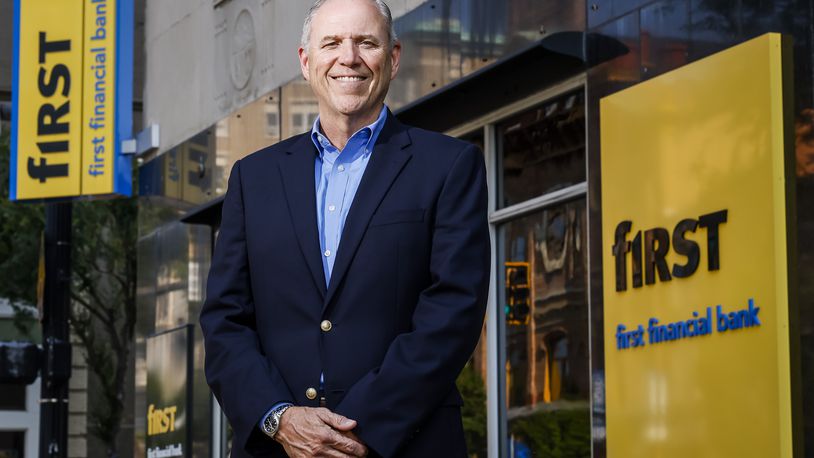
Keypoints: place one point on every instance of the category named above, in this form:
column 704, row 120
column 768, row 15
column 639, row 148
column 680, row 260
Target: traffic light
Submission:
column 19, row 362
column 518, row 293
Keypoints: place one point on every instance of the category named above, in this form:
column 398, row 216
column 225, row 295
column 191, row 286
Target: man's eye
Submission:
column 329, row 45
column 368, row 44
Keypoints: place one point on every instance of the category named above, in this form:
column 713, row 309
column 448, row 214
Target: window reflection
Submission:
column 542, row 149
column 12, row 397
column 804, row 142
column 197, row 170
column 12, row 444
column 445, row 41
column 472, row 381
column 546, row 329
column 245, row 131
column 299, row 108
column 185, row 175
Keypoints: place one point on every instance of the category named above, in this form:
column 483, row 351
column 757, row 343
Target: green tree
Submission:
column 473, row 412
column 555, row 433
column 103, row 316
column 103, row 291
column 21, row 229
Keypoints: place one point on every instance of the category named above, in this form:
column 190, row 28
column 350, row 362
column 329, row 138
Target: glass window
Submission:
column 298, row 108
column 544, row 301
column 12, row 397
column 272, row 124
column 296, row 120
column 542, row 150
column 245, row 131
column 472, row 380
column 12, row 444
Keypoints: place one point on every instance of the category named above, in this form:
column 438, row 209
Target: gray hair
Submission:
column 384, row 10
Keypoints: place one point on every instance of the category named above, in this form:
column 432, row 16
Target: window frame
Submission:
column 497, row 412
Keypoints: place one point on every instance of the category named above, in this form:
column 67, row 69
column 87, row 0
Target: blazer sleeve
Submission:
column 420, row 367
column 239, row 374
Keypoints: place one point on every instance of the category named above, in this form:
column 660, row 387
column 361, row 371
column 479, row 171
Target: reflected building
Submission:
column 521, row 79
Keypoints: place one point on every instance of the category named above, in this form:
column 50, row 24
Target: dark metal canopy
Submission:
column 513, row 78
column 208, row 213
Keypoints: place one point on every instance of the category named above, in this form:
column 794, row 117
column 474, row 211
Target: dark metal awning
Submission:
column 208, row 213
column 512, row 78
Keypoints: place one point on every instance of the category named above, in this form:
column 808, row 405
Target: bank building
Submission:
column 651, row 206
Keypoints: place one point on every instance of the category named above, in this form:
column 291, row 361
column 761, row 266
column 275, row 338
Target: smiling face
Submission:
column 349, row 62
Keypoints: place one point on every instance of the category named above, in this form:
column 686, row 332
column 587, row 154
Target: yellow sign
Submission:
column 160, row 421
column 72, row 96
column 695, row 260
column 47, row 99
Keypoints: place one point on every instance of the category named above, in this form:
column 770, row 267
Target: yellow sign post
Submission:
column 72, row 97
column 696, row 259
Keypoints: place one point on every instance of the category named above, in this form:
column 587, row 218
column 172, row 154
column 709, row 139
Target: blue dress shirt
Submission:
column 337, row 175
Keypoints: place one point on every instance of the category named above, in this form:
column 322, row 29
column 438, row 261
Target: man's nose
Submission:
column 348, row 53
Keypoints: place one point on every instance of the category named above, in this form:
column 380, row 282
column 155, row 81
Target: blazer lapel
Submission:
column 388, row 158
column 297, row 172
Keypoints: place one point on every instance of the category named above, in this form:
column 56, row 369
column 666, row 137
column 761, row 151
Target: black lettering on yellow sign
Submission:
column 653, row 253
column 160, row 421
column 49, row 115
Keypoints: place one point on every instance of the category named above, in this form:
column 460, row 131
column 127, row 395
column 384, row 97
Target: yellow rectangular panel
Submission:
column 99, row 97
column 695, row 260
column 47, row 128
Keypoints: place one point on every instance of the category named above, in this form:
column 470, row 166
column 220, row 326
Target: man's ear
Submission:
column 395, row 58
column 303, row 54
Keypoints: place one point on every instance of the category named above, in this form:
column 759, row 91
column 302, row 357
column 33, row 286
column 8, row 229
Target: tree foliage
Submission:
column 103, row 288
column 103, row 294
column 554, row 433
column 21, row 226
column 473, row 413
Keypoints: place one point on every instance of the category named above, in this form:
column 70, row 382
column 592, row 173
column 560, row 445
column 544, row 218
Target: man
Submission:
column 349, row 279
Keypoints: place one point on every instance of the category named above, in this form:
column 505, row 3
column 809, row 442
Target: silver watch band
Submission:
column 275, row 416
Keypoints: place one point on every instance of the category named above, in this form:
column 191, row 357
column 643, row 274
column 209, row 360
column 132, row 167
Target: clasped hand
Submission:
column 318, row 432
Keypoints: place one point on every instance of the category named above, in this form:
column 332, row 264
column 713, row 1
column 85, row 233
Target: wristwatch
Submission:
column 272, row 421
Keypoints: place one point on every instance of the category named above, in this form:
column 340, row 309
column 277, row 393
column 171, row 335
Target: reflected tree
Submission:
column 553, row 434
column 103, row 315
column 472, row 389
column 746, row 18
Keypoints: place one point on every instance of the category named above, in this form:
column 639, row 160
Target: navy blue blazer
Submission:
column 406, row 298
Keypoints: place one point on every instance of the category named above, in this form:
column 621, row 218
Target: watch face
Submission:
column 271, row 423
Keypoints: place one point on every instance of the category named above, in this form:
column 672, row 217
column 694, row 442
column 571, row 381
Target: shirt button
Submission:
column 327, row 253
column 311, row 393
column 326, row 325
column 331, row 208
column 341, row 168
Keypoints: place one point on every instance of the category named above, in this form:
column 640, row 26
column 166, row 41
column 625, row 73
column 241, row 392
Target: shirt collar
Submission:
column 372, row 131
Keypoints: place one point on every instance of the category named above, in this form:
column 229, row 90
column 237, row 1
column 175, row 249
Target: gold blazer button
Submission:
column 311, row 393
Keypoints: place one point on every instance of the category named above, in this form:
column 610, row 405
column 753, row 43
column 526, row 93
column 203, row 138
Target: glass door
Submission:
column 542, row 303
